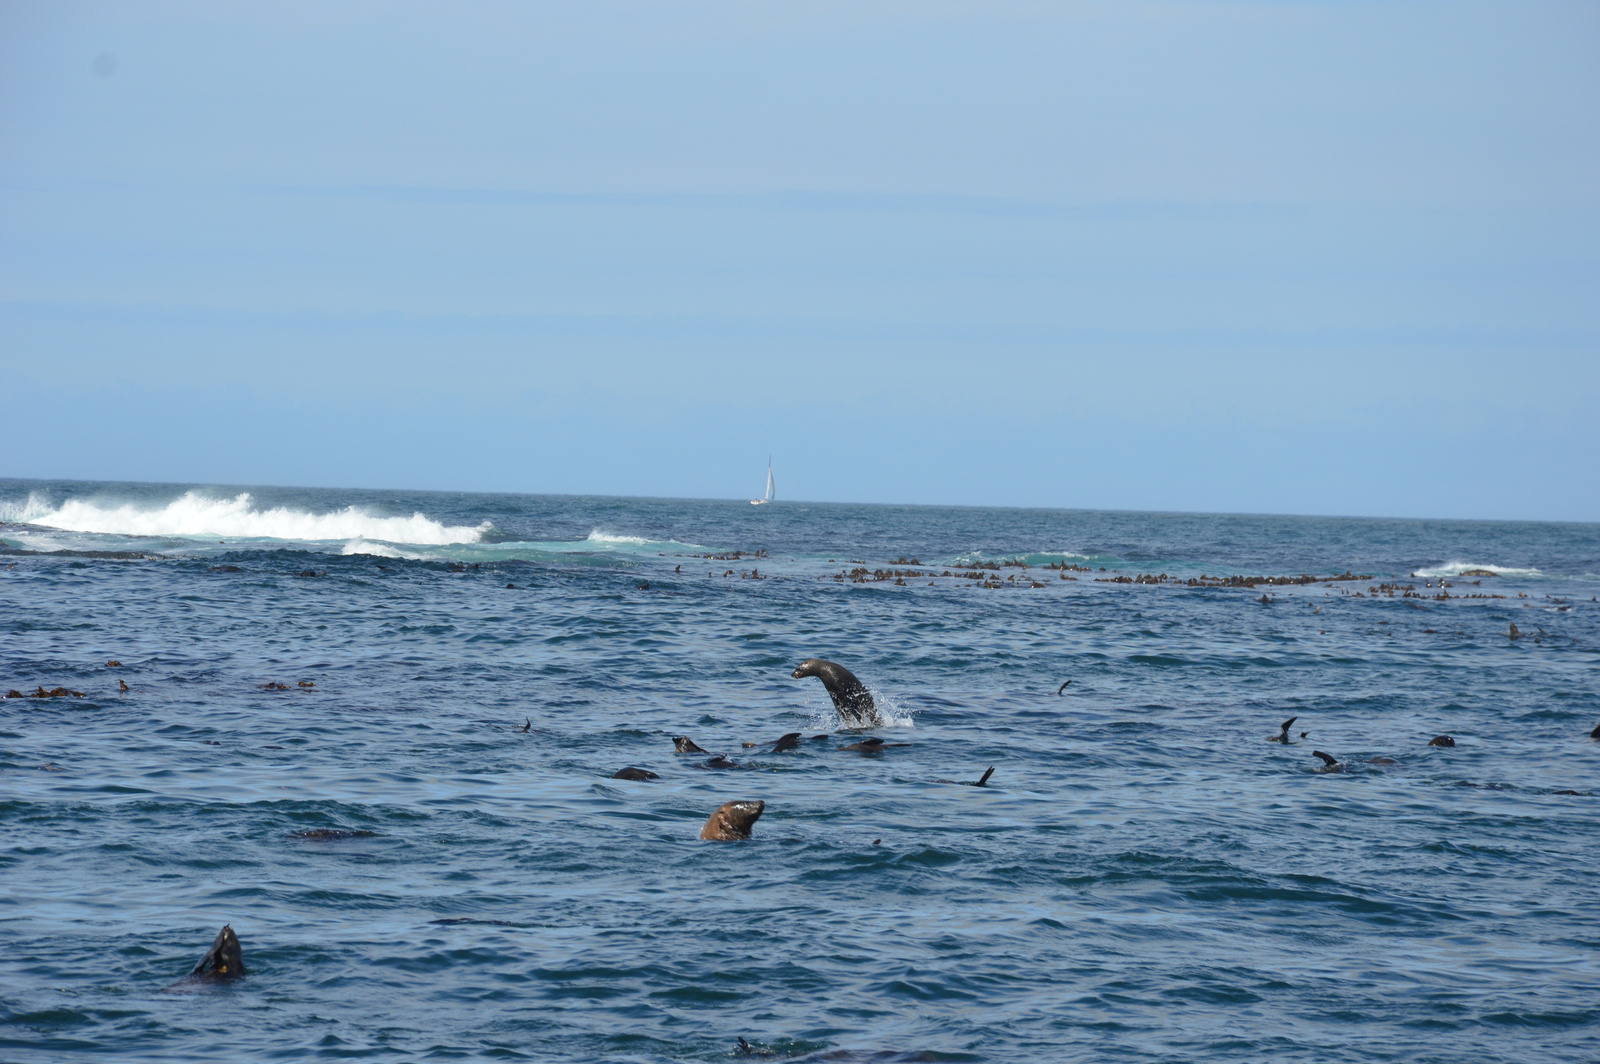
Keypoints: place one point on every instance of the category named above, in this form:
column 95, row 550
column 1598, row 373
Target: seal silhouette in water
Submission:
column 222, row 962
column 640, row 774
column 1283, row 732
column 685, row 745
column 1329, row 762
column 1441, row 740
column 871, row 746
column 1596, row 733
column 733, row 820
column 1062, row 689
column 787, row 741
column 981, row 781
column 850, row 697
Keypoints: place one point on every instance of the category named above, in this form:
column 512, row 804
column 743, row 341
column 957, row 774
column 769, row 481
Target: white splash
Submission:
column 198, row 515
column 1456, row 568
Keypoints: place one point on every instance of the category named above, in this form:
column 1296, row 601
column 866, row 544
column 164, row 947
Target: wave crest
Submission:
column 1456, row 568
column 195, row 514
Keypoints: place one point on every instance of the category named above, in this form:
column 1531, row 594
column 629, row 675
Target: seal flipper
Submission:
column 1596, row 733
column 1283, row 731
column 1327, row 759
column 984, row 779
column 223, row 961
column 1063, row 687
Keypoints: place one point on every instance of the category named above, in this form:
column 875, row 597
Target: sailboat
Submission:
column 763, row 502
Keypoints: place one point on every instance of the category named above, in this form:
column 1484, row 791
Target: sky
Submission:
column 1324, row 258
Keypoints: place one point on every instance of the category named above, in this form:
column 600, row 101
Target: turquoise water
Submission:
column 1145, row 878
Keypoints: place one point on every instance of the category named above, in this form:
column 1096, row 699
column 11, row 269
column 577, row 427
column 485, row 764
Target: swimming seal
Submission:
column 787, row 741
column 850, row 697
column 635, row 774
column 684, row 745
column 1283, row 732
column 981, row 781
column 1329, row 762
column 223, row 961
column 733, row 821
column 871, row 746
column 1441, row 740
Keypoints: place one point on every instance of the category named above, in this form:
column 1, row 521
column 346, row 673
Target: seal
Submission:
column 871, row 746
column 1283, row 732
column 1596, row 733
column 223, row 961
column 733, row 820
column 1062, row 689
column 685, row 745
column 981, row 781
column 850, row 697
column 787, row 741
column 635, row 774
column 1441, row 740
column 1329, row 762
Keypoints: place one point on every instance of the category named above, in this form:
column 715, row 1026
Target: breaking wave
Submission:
column 1456, row 568
column 195, row 515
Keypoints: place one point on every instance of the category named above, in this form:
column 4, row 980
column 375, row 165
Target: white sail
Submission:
column 763, row 502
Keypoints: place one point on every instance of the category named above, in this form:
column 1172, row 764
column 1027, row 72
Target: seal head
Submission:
column 223, row 961
column 1441, row 740
column 684, row 745
column 733, row 820
column 632, row 773
column 850, row 697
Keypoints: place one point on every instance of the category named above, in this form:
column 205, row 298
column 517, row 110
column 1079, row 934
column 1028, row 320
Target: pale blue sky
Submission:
column 1315, row 258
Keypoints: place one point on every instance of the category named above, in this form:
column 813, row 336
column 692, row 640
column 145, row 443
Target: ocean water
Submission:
column 1144, row 878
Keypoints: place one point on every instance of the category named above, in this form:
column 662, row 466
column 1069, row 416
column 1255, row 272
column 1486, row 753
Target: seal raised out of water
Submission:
column 733, row 820
column 850, row 697
column 223, row 961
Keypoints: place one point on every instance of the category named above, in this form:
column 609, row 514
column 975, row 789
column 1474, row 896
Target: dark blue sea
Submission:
column 1145, row 877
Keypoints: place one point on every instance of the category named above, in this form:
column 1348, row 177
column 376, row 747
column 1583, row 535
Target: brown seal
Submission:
column 1441, row 740
column 1329, row 762
column 631, row 773
column 871, row 746
column 850, row 697
column 684, row 745
column 733, row 820
column 223, row 961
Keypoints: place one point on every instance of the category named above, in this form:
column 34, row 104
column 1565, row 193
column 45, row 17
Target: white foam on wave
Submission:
column 197, row 515
column 1456, row 568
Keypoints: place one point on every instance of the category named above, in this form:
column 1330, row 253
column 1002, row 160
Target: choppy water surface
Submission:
column 1145, row 878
